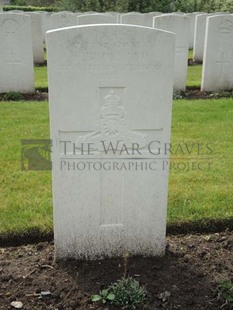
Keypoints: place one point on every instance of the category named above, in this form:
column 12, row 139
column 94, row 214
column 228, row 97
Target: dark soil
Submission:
column 39, row 95
column 190, row 93
column 185, row 278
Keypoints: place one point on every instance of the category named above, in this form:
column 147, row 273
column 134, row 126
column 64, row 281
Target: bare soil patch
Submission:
column 185, row 278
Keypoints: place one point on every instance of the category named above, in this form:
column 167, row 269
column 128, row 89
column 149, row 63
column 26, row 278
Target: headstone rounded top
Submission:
column 110, row 26
column 109, row 85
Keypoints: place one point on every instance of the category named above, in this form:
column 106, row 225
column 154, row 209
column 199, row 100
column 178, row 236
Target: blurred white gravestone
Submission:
column 109, row 185
column 192, row 17
column 96, row 19
column 145, row 20
column 62, row 20
column 115, row 14
column 37, row 37
column 217, row 71
column 16, row 61
column 199, row 37
column 46, row 23
column 179, row 24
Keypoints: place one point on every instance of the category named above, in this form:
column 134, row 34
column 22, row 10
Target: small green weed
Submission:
column 178, row 94
column 13, row 96
column 126, row 293
column 226, row 291
column 104, row 296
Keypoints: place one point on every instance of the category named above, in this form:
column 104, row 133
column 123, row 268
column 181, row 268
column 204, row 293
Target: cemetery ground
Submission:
column 187, row 277
column 195, row 195
column 200, row 216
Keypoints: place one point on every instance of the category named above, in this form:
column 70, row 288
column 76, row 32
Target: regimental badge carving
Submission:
column 113, row 126
column 225, row 27
column 10, row 26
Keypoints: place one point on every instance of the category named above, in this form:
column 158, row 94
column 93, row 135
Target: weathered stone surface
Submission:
column 199, row 37
column 62, row 20
column 96, row 19
column 37, row 37
column 192, row 18
column 179, row 24
column 110, row 89
column 46, row 23
column 217, row 72
column 145, row 20
column 16, row 61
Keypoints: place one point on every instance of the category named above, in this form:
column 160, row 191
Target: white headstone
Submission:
column 78, row 13
column 199, row 37
column 145, row 20
column 37, row 37
column 46, row 23
column 192, row 17
column 115, row 14
column 109, row 85
column 16, row 61
column 62, row 20
column 217, row 71
column 178, row 24
column 96, row 19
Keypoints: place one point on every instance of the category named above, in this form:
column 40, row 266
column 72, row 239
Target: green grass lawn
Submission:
column 196, row 194
column 41, row 79
column 25, row 196
column 194, row 76
column 194, row 73
column 190, row 54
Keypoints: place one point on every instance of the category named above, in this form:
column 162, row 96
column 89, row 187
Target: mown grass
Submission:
column 190, row 54
column 208, row 194
column 194, row 76
column 41, row 79
column 193, row 73
column 26, row 198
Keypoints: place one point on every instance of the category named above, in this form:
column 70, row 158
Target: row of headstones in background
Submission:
column 171, row 22
column 177, row 23
column 66, row 19
column 51, row 21
column 183, row 25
